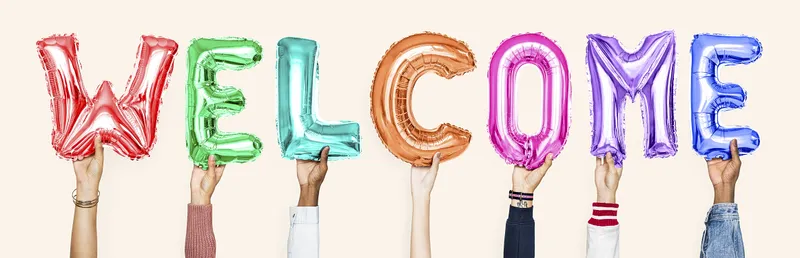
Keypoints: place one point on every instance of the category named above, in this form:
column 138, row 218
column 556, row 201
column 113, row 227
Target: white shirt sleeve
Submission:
column 602, row 233
column 303, row 232
column 602, row 242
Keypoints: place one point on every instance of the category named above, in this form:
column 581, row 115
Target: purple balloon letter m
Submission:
column 710, row 96
column 614, row 75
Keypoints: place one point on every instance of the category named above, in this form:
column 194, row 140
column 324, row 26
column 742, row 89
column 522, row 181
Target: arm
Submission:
column 422, row 180
column 420, row 227
column 602, row 233
column 520, row 227
column 304, row 225
column 723, row 235
column 84, row 223
column 200, row 241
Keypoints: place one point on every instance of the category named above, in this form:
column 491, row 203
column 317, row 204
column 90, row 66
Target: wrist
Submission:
column 200, row 200
column 607, row 197
column 309, row 188
column 421, row 198
column 522, row 189
column 724, row 193
column 86, row 191
column 725, row 187
column 309, row 196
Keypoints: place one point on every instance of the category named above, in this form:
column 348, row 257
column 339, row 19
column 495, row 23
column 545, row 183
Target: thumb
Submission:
column 548, row 162
column 323, row 158
column 434, row 170
column 98, row 147
column 212, row 167
column 734, row 150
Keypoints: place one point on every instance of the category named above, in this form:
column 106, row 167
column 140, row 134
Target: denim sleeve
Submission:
column 723, row 236
column 519, row 241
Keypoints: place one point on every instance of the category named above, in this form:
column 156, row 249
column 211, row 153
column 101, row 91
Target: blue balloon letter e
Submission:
column 710, row 96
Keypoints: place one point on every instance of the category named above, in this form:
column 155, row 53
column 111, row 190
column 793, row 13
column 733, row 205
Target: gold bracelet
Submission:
column 84, row 204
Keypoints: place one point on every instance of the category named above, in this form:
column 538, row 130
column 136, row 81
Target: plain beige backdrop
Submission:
column 365, row 204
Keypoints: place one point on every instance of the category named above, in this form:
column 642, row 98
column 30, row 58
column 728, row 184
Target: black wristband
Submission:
column 520, row 196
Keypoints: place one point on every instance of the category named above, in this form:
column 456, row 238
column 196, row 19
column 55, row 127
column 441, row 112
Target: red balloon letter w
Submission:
column 127, row 124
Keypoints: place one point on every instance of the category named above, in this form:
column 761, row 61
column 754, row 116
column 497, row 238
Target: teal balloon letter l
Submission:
column 301, row 134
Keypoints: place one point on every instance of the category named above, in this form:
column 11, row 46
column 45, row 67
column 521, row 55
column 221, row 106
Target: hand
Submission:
column 526, row 181
column 88, row 171
column 423, row 178
column 723, row 175
column 606, row 179
column 205, row 181
column 310, row 175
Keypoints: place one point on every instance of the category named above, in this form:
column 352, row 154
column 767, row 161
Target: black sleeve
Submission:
column 519, row 242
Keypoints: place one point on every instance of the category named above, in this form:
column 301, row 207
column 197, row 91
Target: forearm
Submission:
column 723, row 235
column 304, row 229
column 602, row 233
column 520, row 233
column 420, row 228
column 309, row 196
column 200, row 240
column 84, row 233
column 724, row 193
column 303, row 232
column 84, row 223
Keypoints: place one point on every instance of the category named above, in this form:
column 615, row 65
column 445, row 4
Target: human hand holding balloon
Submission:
column 204, row 181
column 525, row 180
column 724, row 174
column 606, row 178
column 310, row 175
column 423, row 178
column 88, row 172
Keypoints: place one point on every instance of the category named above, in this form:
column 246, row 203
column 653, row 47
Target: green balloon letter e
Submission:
column 207, row 101
column 301, row 134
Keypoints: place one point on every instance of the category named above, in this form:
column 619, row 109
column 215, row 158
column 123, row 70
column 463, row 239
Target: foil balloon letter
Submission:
column 616, row 75
column 207, row 101
column 127, row 124
column 511, row 144
column 397, row 73
column 301, row 133
column 710, row 96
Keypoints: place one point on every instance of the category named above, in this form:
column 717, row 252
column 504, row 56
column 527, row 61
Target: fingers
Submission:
column 323, row 158
column 609, row 160
column 598, row 161
column 435, row 164
column 735, row 151
column 98, row 147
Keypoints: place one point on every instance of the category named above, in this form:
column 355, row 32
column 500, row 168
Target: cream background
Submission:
column 365, row 202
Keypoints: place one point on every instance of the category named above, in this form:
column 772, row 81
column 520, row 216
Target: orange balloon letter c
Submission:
column 405, row 62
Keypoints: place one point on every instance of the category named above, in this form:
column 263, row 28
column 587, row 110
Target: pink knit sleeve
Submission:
column 200, row 241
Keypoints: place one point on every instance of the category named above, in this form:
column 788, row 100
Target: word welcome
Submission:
column 128, row 124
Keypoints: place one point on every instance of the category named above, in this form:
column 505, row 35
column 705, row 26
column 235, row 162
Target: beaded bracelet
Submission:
column 84, row 204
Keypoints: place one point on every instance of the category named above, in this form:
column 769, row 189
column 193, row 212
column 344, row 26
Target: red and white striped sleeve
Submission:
column 604, row 214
